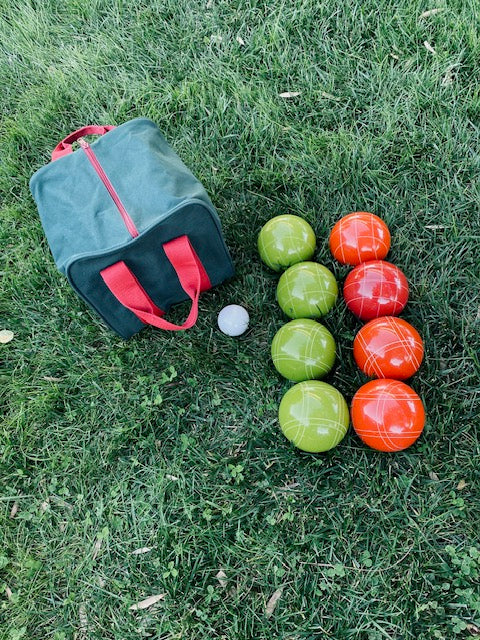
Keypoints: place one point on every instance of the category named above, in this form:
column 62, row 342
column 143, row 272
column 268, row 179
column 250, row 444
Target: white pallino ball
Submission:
column 233, row 320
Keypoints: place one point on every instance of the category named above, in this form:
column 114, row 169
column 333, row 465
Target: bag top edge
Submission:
column 46, row 166
column 195, row 201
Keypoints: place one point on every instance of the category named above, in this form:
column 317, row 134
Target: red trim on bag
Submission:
column 191, row 274
column 64, row 147
column 110, row 188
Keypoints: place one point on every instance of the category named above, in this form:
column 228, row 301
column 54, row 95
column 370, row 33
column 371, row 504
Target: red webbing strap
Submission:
column 65, row 146
column 129, row 292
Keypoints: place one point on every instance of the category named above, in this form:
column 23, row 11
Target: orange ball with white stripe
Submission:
column 359, row 237
column 387, row 415
column 388, row 347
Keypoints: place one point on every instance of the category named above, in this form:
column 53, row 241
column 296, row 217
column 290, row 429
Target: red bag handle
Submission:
column 129, row 292
column 65, row 146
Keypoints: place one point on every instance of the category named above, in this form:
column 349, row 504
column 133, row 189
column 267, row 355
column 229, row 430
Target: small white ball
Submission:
column 233, row 320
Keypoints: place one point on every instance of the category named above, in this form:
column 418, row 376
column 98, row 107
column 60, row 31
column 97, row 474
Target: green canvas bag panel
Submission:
column 130, row 226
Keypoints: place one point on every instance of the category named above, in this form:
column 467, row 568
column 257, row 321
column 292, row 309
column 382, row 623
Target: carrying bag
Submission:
column 130, row 226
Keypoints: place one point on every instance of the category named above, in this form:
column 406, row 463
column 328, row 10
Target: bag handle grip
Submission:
column 64, row 147
column 193, row 278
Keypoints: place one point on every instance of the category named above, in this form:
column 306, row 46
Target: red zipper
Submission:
column 110, row 188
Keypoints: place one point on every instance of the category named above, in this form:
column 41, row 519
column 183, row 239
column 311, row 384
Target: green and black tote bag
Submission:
column 129, row 225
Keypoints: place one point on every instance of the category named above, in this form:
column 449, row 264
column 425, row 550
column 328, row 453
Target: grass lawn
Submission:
column 156, row 466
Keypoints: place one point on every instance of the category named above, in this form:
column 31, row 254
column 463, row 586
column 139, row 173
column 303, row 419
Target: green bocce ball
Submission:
column 286, row 240
column 314, row 416
column 303, row 349
column 307, row 290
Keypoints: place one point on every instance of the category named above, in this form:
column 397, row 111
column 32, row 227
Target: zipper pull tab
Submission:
column 83, row 143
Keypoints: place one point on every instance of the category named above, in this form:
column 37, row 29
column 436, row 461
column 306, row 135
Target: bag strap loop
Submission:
column 64, row 147
column 129, row 292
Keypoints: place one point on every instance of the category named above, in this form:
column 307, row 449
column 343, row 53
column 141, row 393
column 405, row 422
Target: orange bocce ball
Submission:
column 359, row 237
column 388, row 347
column 387, row 415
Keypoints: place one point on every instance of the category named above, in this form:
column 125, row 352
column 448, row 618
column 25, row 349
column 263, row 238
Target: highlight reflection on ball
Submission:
column 307, row 290
column 313, row 415
column 374, row 289
column 388, row 347
column 303, row 349
column 285, row 240
column 387, row 415
column 359, row 237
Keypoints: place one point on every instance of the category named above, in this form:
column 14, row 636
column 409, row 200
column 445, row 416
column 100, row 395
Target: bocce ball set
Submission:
column 386, row 413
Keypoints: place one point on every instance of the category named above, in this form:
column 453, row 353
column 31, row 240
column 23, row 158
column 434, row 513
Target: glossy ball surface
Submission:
column 388, row 347
column 303, row 350
column 233, row 320
column 313, row 415
column 359, row 237
column 285, row 240
column 374, row 289
column 307, row 290
column 387, row 415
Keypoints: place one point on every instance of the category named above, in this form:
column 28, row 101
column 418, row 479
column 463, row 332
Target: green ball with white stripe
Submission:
column 285, row 240
column 303, row 350
column 314, row 416
column 307, row 290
